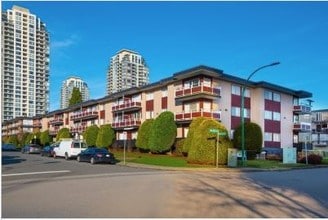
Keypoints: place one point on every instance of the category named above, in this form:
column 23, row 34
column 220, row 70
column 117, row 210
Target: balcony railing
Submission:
column 57, row 121
column 127, row 123
column 302, row 109
column 78, row 129
column 197, row 90
column 186, row 116
column 127, row 106
column 305, row 127
column 37, row 124
column 84, row 115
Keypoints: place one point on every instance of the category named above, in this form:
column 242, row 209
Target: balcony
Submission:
column 188, row 116
column 86, row 115
column 127, row 106
column 196, row 92
column 302, row 127
column 302, row 109
column 128, row 123
column 37, row 124
column 53, row 132
column 57, row 121
column 78, row 129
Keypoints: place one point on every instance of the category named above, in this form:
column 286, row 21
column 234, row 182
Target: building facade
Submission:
column 200, row 91
column 320, row 129
column 127, row 69
column 25, row 64
column 67, row 89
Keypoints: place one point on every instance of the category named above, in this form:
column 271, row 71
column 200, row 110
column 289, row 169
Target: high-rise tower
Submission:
column 127, row 69
column 67, row 89
column 25, row 64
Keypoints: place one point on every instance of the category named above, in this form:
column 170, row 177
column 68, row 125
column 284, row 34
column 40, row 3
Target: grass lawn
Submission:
column 173, row 161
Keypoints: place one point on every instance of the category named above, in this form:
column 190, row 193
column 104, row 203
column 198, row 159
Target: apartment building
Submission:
column 25, row 64
column 127, row 69
column 320, row 129
column 199, row 91
column 67, row 89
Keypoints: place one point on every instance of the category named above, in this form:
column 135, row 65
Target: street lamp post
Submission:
column 242, row 110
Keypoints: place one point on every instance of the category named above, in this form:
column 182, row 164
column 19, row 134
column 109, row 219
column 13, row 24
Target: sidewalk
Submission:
column 214, row 169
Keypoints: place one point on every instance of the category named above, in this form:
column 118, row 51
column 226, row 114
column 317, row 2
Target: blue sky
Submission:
column 236, row 37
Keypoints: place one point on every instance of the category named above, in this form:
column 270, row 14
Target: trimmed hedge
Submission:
column 163, row 133
column 193, row 125
column 203, row 146
column 253, row 139
column 143, row 135
column 90, row 135
column 312, row 159
column 106, row 136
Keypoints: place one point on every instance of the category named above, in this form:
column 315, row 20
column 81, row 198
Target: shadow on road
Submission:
column 240, row 196
column 11, row 159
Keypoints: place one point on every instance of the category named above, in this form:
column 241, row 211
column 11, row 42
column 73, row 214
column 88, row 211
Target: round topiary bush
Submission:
column 203, row 146
column 163, row 133
column 253, row 139
column 144, row 130
column 193, row 125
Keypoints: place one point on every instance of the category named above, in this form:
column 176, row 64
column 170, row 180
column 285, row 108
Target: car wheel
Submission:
column 78, row 159
column 92, row 161
column 66, row 156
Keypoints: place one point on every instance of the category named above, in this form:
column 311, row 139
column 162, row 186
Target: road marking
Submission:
column 36, row 173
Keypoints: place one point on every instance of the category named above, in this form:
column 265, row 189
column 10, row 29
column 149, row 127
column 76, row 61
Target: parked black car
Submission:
column 47, row 151
column 31, row 149
column 96, row 155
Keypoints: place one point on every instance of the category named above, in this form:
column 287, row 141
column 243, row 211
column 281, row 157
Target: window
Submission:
column 235, row 111
column 195, row 83
column 164, row 92
column 267, row 136
column 149, row 114
column 268, row 115
column 246, row 113
column 235, row 90
column 207, row 82
column 149, row 96
column 276, row 97
column 247, row 93
column 276, row 137
column 276, row 116
column 267, row 95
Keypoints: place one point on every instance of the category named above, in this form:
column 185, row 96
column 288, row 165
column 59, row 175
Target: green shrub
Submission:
column 90, row 135
column 203, row 146
column 143, row 135
column 106, row 136
column 13, row 139
column 163, row 133
column 178, row 147
column 45, row 138
column 253, row 139
column 193, row 125
column 63, row 133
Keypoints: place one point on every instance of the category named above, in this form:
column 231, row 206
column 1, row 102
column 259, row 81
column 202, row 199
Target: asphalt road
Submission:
column 33, row 186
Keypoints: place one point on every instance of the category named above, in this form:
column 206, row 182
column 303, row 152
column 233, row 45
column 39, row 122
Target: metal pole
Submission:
column 124, row 146
column 242, row 111
column 242, row 126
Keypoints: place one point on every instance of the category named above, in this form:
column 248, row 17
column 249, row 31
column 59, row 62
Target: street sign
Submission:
column 217, row 131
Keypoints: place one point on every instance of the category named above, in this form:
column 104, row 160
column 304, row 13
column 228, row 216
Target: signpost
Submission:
column 218, row 134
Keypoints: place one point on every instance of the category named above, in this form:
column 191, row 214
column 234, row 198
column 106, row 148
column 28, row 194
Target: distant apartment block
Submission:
column 25, row 64
column 67, row 89
column 199, row 91
column 127, row 69
column 320, row 129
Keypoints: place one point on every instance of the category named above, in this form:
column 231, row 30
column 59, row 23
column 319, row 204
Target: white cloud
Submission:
column 71, row 40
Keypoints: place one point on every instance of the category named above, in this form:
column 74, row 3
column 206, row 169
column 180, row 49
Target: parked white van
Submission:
column 69, row 148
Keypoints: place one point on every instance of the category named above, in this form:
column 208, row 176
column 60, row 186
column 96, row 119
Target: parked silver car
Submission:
column 31, row 149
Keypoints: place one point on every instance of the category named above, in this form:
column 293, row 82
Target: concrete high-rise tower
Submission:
column 127, row 69
column 25, row 64
column 67, row 89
